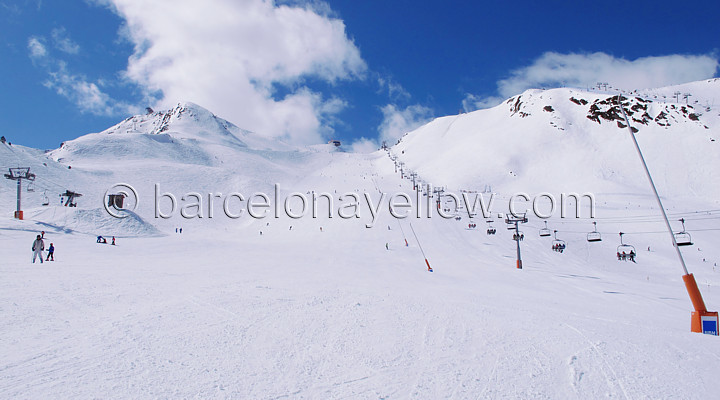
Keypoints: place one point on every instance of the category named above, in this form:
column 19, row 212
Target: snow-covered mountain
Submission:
column 564, row 140
column 186, row 134
column 184, row 149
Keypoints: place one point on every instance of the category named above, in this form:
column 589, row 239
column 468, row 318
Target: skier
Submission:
column 99, row 239
column 113, row 241
column 51, row 253
column 42, row 234
column 387, row 246
column 37, row 248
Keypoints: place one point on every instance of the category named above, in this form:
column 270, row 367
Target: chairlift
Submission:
column 558, row 244
column 490, row 229
column 31, row 187
column 594, row 236
column 625, row 252
column 46, row 200
column 544, row 232
column 683, row 238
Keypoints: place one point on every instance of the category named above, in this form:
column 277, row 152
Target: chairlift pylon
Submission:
column 544, row 232
column 683, row 238
column 594, row 236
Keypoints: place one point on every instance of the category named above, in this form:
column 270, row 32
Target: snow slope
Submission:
column 320, row 308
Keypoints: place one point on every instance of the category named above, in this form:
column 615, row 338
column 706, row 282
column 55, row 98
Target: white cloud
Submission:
column 86, row 95
column 580, row 70
column 76, row 88
column 395, row 91
column 473, row 102
column 230, row 56
column 63, row 42
column 37, row 48
column 553, row 69
column 396, row 122
column 364, row 145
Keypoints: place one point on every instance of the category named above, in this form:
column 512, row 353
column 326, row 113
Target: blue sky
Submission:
column 306, row 71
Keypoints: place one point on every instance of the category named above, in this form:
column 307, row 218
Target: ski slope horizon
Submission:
column 330, row 307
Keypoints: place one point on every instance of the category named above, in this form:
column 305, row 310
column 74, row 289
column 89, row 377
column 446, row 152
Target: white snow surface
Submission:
column 318, row 308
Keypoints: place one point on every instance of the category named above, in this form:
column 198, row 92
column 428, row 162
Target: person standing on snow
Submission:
column 51, row 253
column 37, row 248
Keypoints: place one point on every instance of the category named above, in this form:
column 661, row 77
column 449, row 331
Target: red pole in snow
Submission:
column 421, row 249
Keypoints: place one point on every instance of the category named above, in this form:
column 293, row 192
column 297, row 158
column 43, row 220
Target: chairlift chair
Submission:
column 490, row 229
column 683, row 238
column 594, row 236
column 31, row 187
column 625, row 250
column 46, row 200
column 544, row 232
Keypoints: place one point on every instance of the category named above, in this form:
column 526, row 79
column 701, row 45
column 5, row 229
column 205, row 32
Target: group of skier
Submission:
column 103, row 240
column 38, row 247
column 626, row 256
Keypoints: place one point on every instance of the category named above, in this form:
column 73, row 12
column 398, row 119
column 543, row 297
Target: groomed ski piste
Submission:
column 334, row 307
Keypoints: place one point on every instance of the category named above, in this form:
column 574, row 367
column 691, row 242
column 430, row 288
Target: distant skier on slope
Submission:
column 37, row 248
